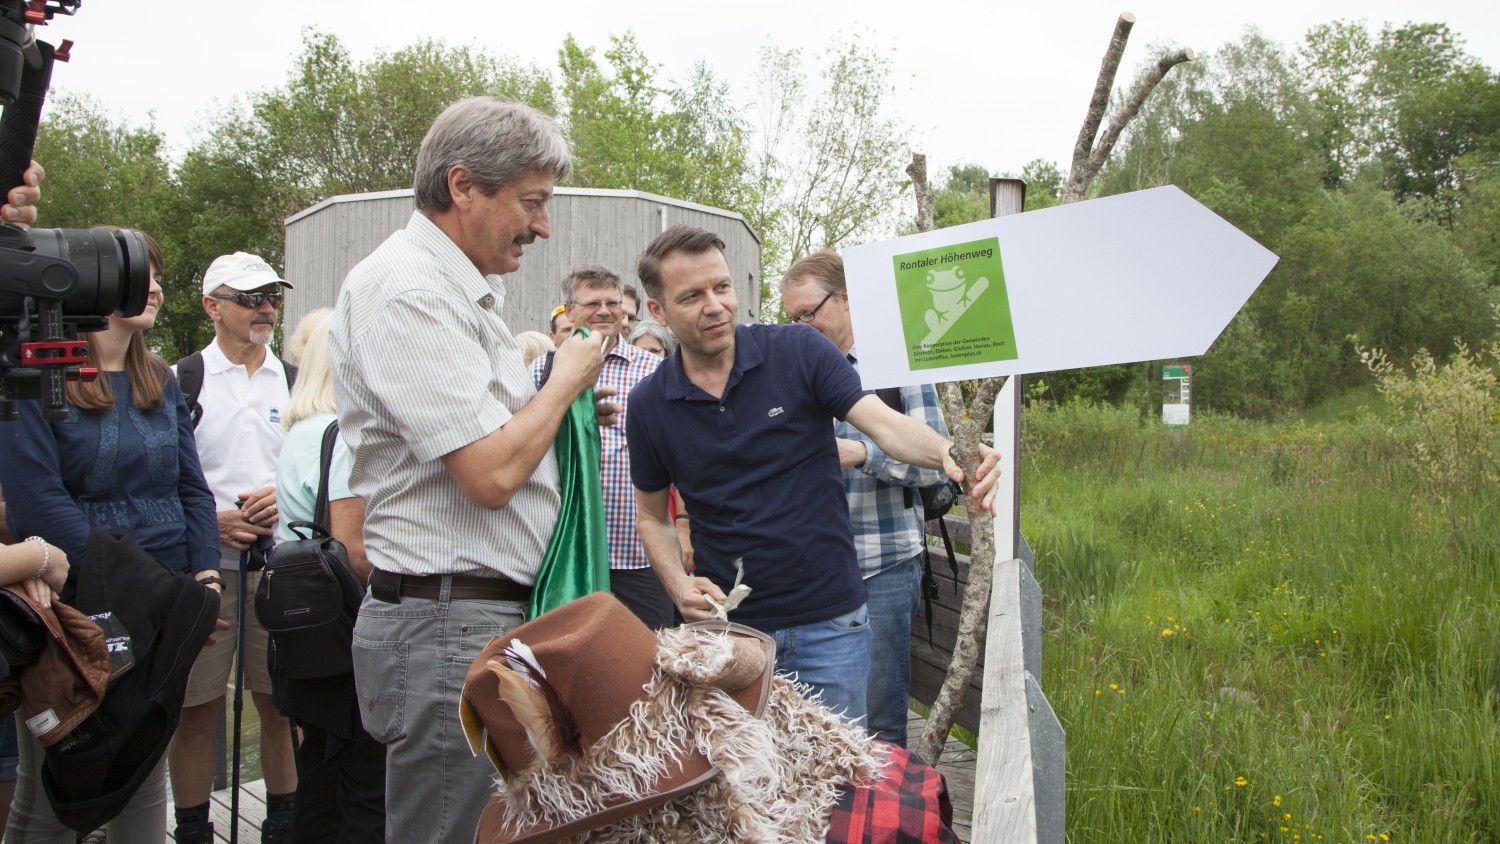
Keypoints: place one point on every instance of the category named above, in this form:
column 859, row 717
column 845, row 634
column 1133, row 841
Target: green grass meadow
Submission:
column 1262, row 631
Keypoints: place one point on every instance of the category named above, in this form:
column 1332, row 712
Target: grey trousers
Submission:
column 32, row 821
column 409, row 665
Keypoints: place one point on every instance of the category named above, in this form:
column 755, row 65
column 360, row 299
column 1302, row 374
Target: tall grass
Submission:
column 1261, row 632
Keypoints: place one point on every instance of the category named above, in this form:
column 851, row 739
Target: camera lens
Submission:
column 114, row 271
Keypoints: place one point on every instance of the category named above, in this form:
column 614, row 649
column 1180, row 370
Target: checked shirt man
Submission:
column 595, row 298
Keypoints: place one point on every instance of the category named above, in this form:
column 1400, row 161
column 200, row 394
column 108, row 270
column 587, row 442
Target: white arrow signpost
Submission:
column 1141, row 276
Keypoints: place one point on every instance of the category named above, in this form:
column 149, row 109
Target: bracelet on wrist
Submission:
column 46, row 555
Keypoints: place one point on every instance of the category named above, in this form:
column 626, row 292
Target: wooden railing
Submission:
column 1019, row 779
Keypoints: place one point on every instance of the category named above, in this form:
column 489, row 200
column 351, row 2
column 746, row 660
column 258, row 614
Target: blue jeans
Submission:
column 832, row 656
column 409, row 665
column 895, row 594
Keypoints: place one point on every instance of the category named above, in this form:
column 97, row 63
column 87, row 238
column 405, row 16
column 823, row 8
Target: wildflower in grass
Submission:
column 1287, row 816
column 1113, row 687
column 1197, row 808
column 1097, row 693
column 1241, row 782
column 1166, row 631
column 1286, row 829
column 1276, row 801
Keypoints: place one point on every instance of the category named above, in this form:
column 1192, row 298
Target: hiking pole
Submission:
column 239, row 700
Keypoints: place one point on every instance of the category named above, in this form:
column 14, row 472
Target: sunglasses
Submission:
column 252, row 300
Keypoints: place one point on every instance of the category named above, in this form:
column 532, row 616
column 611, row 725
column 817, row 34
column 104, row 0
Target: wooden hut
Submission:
column 589, row 226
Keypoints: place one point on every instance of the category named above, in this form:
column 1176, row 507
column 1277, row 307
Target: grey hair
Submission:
column 497, row 140
column 592, row 276
column 655, row 329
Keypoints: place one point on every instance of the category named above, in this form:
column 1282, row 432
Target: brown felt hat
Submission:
column 598, row 659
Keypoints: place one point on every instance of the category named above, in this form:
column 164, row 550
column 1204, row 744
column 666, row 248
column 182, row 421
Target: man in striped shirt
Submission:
column 452, row 447
column 595, row 299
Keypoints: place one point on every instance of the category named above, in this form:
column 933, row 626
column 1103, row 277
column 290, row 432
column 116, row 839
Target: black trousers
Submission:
column 340, row 795
column 641, row 591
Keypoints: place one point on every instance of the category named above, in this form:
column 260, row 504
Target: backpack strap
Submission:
column 291, row 373
column 325, row 461
column 546, row 370
column 190, row 379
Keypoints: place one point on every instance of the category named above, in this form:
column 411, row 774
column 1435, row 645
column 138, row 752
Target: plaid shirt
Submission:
column 908, row 804
column 624, row 367
column 886, row 531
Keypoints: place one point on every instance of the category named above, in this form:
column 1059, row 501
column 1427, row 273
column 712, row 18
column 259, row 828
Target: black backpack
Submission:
column 190, row 379
column 937, row 499
column 309, row 596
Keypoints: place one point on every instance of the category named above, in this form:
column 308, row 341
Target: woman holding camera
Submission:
column 123, row 460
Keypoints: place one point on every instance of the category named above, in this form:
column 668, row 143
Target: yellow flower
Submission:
column 1276, row 801
column 1241, row 782
column 1113, row 687
column 1287, row 816
column 1166, row 631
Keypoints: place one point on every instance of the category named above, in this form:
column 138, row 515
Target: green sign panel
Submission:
column 954, row 308
column 1178, row 371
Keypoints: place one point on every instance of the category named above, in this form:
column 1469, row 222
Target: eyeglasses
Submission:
column 610, row 304
column 813, row 314
column 252, row 300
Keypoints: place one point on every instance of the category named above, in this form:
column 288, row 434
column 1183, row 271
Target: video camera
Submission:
column 54, row 283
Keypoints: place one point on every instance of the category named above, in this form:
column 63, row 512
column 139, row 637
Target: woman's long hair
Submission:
column 147, row 372
column 313, row 392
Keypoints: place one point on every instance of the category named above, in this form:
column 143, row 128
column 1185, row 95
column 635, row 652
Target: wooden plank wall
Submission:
column 588, row 227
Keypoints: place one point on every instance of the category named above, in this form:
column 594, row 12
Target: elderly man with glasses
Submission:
column 239, row 391
column 595, row 299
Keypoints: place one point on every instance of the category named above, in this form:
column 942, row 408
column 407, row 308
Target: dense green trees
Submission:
column 1370, row 161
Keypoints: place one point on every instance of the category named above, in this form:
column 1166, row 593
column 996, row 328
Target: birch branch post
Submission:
column 967, row 425
column 968, row 422
column 1088, row 156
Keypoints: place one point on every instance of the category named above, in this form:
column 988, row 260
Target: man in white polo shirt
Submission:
column 240, row 391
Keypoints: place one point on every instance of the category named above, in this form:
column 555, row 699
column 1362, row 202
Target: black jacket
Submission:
column 157, row 618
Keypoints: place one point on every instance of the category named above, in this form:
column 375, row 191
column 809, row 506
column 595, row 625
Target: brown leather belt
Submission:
column 391, row 587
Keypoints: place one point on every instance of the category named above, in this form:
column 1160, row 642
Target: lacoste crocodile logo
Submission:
column 775, row 411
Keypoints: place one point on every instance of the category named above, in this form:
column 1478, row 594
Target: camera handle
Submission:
column 19, row 125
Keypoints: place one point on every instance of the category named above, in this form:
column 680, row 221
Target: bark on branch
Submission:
column 973, row 615
column 1084, row 172
column 1099, row 102
column 918, row 172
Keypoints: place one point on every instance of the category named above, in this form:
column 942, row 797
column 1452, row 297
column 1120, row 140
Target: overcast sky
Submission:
column 991, row 83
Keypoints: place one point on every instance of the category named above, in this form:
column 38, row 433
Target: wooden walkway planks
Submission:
column 957, row 767
column 252, row 811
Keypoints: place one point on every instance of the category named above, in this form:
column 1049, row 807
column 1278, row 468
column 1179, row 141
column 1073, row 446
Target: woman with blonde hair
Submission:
column 341, row 769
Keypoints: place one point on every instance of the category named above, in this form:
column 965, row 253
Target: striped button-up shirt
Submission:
column 886, row 531
column 422, row 366
column 624, row 367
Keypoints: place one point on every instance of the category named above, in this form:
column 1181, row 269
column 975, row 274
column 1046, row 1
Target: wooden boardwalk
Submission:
column 252, row 810
column 957, row 766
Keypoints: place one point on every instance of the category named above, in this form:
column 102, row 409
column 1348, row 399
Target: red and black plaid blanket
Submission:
column 909, row 805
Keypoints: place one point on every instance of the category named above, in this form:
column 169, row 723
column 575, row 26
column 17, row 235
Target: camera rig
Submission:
column 55, row 284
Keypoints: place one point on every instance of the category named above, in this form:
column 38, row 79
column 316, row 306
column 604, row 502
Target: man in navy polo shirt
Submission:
column 740, row 421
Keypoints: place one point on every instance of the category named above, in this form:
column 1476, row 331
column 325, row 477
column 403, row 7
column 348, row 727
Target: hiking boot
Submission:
column 199, row 832
column 276, row 828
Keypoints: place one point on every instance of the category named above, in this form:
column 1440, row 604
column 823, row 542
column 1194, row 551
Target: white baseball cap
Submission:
column 242, row 271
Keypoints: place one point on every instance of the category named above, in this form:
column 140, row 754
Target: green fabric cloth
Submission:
column 577, row 559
